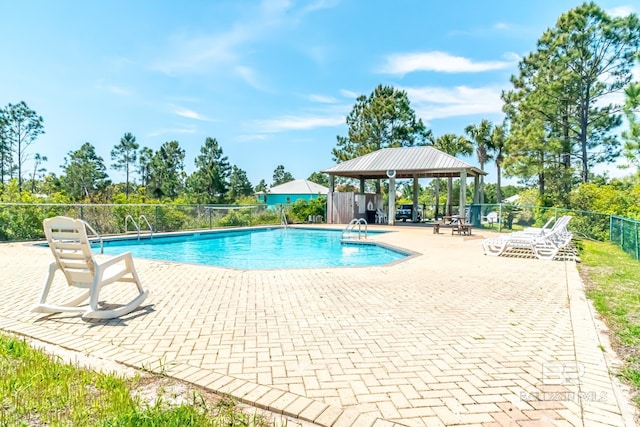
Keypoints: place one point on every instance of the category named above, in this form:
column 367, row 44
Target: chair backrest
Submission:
column 70, row 246
column 561, row 223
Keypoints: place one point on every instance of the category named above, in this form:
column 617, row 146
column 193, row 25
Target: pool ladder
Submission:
column 137, row 224
column 350, row 228
column 283, row 218
column 90, row 228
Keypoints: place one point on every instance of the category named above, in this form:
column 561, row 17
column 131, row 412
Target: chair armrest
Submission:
column 113, row 260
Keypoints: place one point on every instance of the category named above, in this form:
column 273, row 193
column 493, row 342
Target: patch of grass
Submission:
column 611, row 277
column 37, row 389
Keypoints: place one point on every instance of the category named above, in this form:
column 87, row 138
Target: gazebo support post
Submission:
column 477, row 211
column 332, row 188
column 414, row 211
column 392, row 201
column 463, row 193
column 437, row 197
column 361, row 178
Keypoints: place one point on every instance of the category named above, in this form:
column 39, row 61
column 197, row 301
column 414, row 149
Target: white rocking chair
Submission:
column 71, row 249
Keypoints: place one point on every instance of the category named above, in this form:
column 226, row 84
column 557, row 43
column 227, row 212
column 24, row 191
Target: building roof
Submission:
column 422, row 161
column 299, row 186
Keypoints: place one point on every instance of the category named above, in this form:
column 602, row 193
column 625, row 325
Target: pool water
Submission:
column 256, row 249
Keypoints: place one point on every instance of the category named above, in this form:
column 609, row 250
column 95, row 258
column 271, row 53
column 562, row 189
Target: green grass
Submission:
column 612, row 280
column 37, row 389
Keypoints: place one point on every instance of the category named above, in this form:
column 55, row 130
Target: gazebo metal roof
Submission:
column 422, row 161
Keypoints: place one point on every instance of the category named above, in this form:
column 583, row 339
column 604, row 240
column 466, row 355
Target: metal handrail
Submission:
column 283, row 218
column 352, row 225
column 135, row 224
column 86, row 224
column 140, row 218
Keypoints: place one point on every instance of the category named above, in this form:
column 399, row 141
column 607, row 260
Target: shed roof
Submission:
column 299, row 186
column 423, row 161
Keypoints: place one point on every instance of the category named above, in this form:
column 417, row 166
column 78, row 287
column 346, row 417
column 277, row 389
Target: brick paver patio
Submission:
column 448, row 337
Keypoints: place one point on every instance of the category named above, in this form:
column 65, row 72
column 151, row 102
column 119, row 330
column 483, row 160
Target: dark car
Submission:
column 405, row 212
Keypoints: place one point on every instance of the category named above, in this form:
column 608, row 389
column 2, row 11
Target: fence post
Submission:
column 82, row 212
column 210, row 209
column 499, row 217
column 637, row 248
column 155, row 216
column 610, row 228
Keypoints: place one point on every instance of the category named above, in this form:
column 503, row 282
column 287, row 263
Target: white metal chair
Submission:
column 71, row 249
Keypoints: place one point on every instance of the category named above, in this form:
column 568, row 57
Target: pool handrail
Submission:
column 143, row 217
column 86, row 224
column 352, row 225
column 135, row 224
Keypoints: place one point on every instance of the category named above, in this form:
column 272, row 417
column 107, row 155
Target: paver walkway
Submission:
column 448, row 337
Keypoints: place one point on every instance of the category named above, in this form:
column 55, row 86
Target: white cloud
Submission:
column 165, row 131
column 404, row 63
column 323, row 99
column 286, row 123
column 348, row 93
column 226, row 48
column 501, row 26
column 438, row 102
column 190, row 114
column 621, row 11
column 249, row 76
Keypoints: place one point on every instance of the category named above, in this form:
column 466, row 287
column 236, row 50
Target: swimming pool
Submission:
column 255, row 249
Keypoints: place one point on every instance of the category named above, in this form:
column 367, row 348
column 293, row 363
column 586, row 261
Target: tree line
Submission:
column 559, row 123
column 160, row 174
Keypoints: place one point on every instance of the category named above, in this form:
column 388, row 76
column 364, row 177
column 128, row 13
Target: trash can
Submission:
column 371, row 217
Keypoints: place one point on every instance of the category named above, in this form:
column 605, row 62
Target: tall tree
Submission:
column 384, row 119
column 145, row 156
column 280, row 176
column 262, row 186
column 239, row 185
column 565, row 86
column 125, row 154
column 6, row 158
column 451, row 144
column 631, row 136
column 319, row 178
column 166, row 171
column 84, row 173
column 22, row 126
column 37, row 170
column 481, row 136
column 210, row 182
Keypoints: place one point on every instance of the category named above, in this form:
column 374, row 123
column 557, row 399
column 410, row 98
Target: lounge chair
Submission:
column 560, row 223
column 544, row 245
column 67, row 238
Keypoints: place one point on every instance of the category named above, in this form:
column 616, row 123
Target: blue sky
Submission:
column 272, row 81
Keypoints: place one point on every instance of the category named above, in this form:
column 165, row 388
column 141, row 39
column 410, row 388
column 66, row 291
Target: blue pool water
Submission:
column 258, row 249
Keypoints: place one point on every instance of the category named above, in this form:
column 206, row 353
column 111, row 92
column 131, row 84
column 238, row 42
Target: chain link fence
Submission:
column 624, row 233
column 23, row 221
column 513, row 217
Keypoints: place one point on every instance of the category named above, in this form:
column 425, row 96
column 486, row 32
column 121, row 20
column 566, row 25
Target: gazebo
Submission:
column 400, row 163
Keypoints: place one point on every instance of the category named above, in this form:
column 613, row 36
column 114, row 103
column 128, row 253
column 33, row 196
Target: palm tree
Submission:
column 481, row 138
column 498, row 140
column 451, row 144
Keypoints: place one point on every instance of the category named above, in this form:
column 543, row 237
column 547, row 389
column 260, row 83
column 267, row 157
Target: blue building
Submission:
column 291, row 191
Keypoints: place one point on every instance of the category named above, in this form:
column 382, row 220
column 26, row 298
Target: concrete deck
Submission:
column 449, row 337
